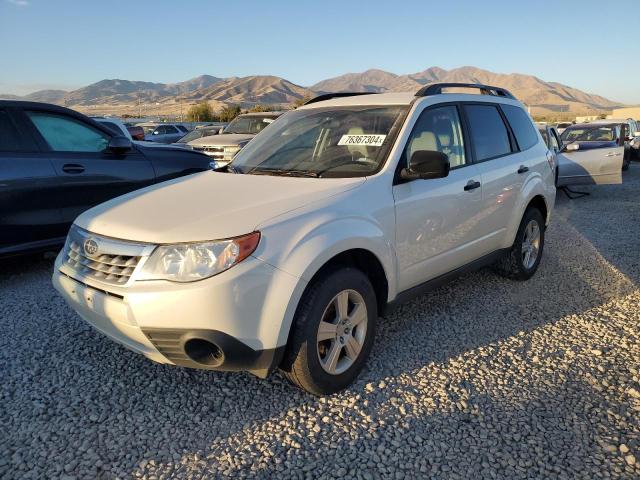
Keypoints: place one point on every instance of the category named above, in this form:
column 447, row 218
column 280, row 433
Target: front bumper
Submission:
column 240, row 311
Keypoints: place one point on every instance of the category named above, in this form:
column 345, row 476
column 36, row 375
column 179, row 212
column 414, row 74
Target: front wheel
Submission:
column 522, row 260
column 332, row 333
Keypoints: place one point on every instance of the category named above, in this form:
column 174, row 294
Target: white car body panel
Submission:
column 220, row 206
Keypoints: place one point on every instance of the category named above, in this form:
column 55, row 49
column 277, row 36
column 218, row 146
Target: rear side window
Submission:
column 66, row 134
column 488, row 132
column 10, row 140
column 521, row 125
column 184, row 129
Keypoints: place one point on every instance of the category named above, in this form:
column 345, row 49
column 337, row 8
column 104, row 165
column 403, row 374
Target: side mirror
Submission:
column 119, row 144
column 426, row 164
column 572, row 147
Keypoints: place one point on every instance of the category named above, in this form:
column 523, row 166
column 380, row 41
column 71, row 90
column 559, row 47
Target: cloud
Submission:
column 19, row 3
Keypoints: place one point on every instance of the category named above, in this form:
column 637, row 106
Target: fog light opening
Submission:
column 203, row 352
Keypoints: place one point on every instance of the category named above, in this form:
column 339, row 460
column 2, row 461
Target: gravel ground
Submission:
column 483, row 378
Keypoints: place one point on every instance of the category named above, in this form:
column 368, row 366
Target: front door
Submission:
column 437, row 220
column 88, row 172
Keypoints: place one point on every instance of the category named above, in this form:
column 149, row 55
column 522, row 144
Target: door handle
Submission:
column 612, row 154
column 471, row 185
column 72, row 168
column 523, row 169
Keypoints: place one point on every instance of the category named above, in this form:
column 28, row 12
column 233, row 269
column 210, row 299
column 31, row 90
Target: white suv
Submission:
column 340, row 209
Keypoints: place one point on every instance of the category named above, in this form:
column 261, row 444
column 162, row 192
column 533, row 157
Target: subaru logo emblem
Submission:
column 90, row 247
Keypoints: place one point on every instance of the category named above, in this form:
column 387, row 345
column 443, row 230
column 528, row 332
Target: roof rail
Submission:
column 329, row 96
column 436, row 89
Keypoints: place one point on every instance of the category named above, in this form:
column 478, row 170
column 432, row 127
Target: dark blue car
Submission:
column 56, row 163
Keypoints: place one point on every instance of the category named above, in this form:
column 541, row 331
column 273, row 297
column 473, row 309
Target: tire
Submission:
column 515, row 265
column 312, row 363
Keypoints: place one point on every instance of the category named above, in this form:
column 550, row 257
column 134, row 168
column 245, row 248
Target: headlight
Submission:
column 189, row 262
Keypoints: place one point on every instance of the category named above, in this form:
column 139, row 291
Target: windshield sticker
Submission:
column 267, row 120
column 368, row 140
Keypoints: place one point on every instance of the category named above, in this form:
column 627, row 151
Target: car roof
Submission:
column 404, row 98
column 261, row 114
column 590, row 124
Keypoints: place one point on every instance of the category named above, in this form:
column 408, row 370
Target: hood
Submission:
column 206, row 206
column 222, row 140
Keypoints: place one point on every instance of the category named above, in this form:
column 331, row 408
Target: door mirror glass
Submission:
column 119, row 144
column 426, row 164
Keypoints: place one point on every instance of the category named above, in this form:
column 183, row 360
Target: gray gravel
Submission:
column 484, row 378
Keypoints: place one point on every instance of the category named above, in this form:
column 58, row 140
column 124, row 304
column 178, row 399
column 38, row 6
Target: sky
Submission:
column 67, row 44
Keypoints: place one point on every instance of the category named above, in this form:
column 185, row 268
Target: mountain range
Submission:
column 118, row 96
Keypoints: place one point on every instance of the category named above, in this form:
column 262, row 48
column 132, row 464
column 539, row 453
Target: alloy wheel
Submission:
column 342, row 332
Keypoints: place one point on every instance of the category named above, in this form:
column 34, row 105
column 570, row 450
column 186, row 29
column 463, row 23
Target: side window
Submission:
column 10, row 139
column 488, row 132
column 66, row 134
column 170, row 129
column 555, row 143
column 521, row 125
column 161, row 130
column 438, row 129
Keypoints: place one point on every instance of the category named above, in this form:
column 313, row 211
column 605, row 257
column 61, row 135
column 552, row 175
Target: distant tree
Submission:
column 201, row 112
column 229, row 112
column 260, row 108
column 301, row 101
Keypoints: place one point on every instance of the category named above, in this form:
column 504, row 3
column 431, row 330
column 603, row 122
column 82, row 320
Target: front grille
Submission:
column 106, row 260
column 114, row 269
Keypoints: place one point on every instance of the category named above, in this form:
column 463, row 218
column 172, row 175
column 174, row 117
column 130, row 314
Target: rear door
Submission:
column 592, row 166
column 502, row 167
column 29, row 214
column 88, row 173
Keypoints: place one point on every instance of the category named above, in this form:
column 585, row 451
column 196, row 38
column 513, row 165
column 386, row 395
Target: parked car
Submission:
column 222, row 148
column 599, row 166
column 631, row 135
column 199, row 133
column 115, row 125
column 55, row 163
column 340, row 209
column 593, row 153
column 167, row 133
column 137, row 133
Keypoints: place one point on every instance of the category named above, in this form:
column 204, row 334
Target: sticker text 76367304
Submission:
column 368, row 140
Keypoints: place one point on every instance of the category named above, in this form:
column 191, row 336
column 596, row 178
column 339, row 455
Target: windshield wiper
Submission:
column 283, row 172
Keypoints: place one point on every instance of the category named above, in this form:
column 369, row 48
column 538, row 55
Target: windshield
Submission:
column 589, row 134
column 328, row 142
column 253, row 124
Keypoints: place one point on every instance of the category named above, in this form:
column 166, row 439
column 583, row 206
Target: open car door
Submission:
column 591, row 163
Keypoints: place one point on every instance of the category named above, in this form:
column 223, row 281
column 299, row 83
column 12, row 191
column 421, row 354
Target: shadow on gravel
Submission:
column 117, row 414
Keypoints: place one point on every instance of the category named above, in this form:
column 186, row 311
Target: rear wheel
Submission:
column 522, row 260
column 332, row 333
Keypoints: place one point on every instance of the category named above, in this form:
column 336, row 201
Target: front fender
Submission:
column 310, row 244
